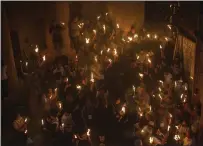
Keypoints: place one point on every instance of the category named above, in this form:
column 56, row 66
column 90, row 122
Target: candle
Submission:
column 36, row 49
column 136, row 36
column 42, row 121
column 95, row 58
column 151, row 140
column 155, row 36
column 94, row 31
column 92, row 78
column 88, row 132
column 78, row 87
column 104, row 27
column 44, row 58
column 169, row 127
column 87, row 40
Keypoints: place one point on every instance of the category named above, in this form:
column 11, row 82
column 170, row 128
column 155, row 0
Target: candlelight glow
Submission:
column 115, row 52
column 92, row 78
column 177, row 137
column 136, row 36
column 133, row 88
column 94, row 31
column 169, row 26
column 26, row 131
column 95, row 58
column 98, row 17
column 26, row 63
column 110, row 60
column 101, row 52
column 108, row 49
column 78, row 87
column 181, row 96
column 104, row 27
column 169, row 128
column 149, row 60
column 87, row 40
column 117, row 25
column 141, row 75
column 160, row 96
column 44, row 58
column 88, row 132
column 151, row 140
column 123, row 109
column 160, row 46
column 155, row 36
column 36, row 49
column 148, row 35
column 75, row 136
column 42, row 121
column 138, row 57
column 25, row 120
column 130, row 38
column 166, row 38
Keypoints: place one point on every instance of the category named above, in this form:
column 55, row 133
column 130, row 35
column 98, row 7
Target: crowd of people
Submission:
column 114, row 92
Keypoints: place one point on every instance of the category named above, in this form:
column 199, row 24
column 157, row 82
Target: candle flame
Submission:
column 117, row 25
column 101, row 52
column 130, row 38
column 177, row 137
column 75, row 136
column 108, row 50
column 26, row 131
column 95, row 58
column 110, row 60
column 138, row 57
column 149, row 60
column 166, row 38
column 42, row 121
column 151, row 140
column 87, row 40
column 169, row 128
column 115, row 52
column 25, row 120
column 36, row 49
column 181, row 96
column 148, row 35
column 92, row 78
column 123, row 109
column 169, row 26
column 155, row 36
column 160, row 46
column 78, row 87
column 88, row 132
column 141, row 75
column 94, row 31
column 136, row 36
column 104, row 27
column 133, row 88
column 44, row 58
column 160, row 96
column 26, row 63
column 98, row 17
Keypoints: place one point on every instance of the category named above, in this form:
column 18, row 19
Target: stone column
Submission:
column 62, row 15
column 7, row 54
